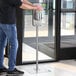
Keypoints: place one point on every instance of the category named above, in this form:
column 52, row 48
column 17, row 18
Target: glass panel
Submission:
column 68, row 39
column 67, row 4
column 45, row 33
column 30, row 30
column 67, row 24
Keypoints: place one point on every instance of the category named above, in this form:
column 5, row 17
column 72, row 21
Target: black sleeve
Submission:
column 15, row 3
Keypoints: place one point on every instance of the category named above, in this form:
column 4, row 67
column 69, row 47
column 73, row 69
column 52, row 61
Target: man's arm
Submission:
column 25, row 4
column 28, row 5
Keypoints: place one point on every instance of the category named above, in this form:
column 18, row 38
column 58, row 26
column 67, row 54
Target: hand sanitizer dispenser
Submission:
column 38, row 18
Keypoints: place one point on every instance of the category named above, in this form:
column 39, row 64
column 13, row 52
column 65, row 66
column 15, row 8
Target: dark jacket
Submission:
column 8, row 11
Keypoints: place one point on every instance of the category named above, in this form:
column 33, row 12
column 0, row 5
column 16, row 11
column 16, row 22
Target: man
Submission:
column 8, row 31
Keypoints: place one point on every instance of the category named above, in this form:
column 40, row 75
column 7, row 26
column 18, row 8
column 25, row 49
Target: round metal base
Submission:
column 32, row 70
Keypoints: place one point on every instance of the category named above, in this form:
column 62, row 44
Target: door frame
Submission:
column 20, row 29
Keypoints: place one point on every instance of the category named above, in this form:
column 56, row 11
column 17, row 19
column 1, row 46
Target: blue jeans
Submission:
column 8, row 32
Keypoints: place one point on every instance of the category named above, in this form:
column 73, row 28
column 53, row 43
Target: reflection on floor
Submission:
column 29, row 54
column 61, row 68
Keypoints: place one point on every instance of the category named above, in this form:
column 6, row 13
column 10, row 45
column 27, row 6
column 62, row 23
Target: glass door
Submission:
column 68, row 22
column 46, row 35
column 68, row 28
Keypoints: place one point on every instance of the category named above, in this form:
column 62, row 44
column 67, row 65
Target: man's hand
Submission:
column 28, row 5
column 38, row 7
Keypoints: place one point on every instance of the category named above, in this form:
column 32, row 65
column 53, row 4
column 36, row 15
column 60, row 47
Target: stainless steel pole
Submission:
column 36, row 24
column 36, row 49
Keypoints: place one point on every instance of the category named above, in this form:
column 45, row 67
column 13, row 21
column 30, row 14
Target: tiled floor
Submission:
column 62, row 68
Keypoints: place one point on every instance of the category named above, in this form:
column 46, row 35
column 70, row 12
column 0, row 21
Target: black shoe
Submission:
column 15, row 71
column 3, row 70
